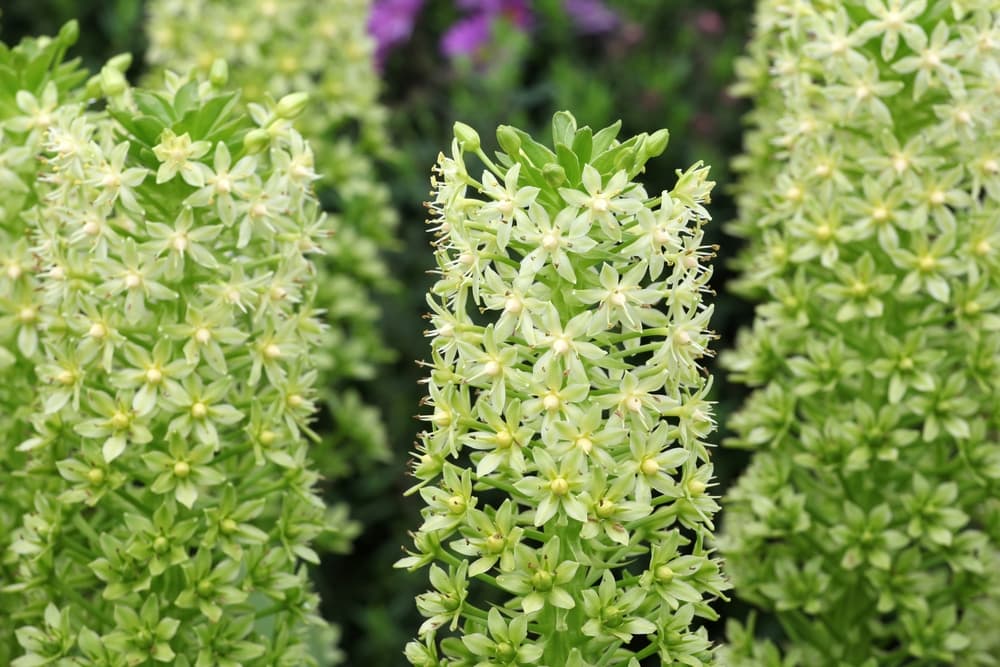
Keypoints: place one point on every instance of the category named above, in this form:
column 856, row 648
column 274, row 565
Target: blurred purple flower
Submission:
column 488, row 6
column 710, row 22
column 391, row 23
column 591, row 16
column 517, row 11
column 467, row 35
column 471, row 33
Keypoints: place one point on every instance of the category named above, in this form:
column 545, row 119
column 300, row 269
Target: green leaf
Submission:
column 155, row 105
column 185, row 99
column 583, row 144
column 212, row 115
column 570, row 164
column 605, row 138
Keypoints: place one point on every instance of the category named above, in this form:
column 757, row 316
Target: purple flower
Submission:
column 710, row 22
column 486, row 6
column 591, row 16
column 467, row 35
column 473, row 32
column 391, row 23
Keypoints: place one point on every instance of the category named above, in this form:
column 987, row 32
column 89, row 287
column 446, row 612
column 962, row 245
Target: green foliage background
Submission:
column 668, row 65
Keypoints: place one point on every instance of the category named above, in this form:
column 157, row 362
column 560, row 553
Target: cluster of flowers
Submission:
column 174, row 504
column 869, row 519
column 43, row 83
column 566, row 466
column 274, row 48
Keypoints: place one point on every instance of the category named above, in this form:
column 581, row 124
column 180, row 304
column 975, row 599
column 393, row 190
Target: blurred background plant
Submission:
column 322, row 49
column 485, row 62
column 35, row 79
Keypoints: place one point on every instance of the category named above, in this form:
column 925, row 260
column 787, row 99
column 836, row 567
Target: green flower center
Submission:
column 119, row 420
column 649, row 466
column 495, row 543
column 542, row 580
column 605, row 508
column 505, row 651
column 696, row 487
column 559, row 486
column 456, row 504
column 612, row 616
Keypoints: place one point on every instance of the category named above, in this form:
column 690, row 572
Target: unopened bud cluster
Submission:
column 176, row 505
column 565, row 464
column 871, row 201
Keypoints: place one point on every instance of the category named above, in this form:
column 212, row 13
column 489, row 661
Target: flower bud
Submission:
column 292, row 105
column 113, row 82
column 69, row 32
column 654, row 145
column 468, row 138
column 554, row 174
column 219, row 73
column 509, row 140
column 120, row 62
column 256, row 140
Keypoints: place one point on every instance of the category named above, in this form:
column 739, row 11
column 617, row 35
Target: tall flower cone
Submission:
column 37, row 84
column 176, row 389
column 868, row 520
column 565, row 468
column 275, row 48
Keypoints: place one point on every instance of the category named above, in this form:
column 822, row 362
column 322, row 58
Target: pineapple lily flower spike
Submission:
column 37, row 84
column 565, row 468
column 320, row 48
column 869, row 519
column 176, row 503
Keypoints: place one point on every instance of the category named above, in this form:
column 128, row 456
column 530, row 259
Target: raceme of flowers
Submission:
column 280, row 47
column 565, row 470
column 175, row 505
column 869, row 519
column 43, row 84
